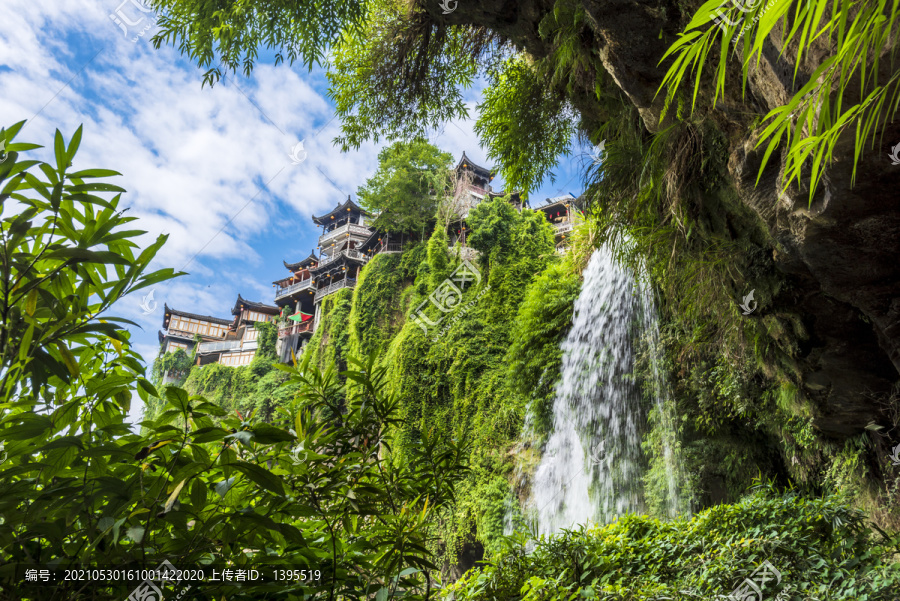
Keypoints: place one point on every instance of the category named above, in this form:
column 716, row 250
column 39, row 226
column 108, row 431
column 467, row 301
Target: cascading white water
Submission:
column 591, row 466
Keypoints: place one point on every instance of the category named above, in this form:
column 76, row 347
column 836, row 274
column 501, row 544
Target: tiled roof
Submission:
column 340, row 209
column 264, row 308
column 170, row 311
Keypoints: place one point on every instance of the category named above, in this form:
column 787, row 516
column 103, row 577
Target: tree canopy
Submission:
column 408, row 186
column 397, row 69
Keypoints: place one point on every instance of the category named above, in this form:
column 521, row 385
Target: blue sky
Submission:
column 208, row 166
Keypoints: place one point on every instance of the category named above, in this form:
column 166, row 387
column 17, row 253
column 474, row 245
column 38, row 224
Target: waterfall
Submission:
column 592, row 465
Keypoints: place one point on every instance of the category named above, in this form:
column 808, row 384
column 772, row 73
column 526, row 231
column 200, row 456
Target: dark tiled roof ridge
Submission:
column 210, row 318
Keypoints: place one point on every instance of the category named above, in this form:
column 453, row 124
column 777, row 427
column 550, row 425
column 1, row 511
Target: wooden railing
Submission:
column 176, row 332
column 218, row 347
column 345, row 283
column 388, row 247
column 281, row 292
column 563, row 227
column 350, row 228
column 353, row 254
column 297, row 328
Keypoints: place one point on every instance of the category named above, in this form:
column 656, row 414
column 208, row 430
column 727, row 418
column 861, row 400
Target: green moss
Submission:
column 534, row 358
column 376, row 312
column 331, row 341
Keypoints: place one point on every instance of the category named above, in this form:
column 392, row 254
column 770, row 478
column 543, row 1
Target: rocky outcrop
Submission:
column 840, row 253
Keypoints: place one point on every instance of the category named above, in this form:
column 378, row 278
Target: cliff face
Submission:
column 837, row 255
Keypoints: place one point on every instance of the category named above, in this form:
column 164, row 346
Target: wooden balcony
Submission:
column 218, row 347
column 293, row 288
column 352, row 254
column 388, row 247
column 348, row 228
column 563, row 227
column 345, row 283
column 297, row 328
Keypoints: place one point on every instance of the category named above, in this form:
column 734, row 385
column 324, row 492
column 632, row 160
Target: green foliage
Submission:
column 525, row 123
column 331, row 341
column 535, row 357
column 257, row 388
column 454, row 378
column 850, row 89
column 173, row 365
column 376, row 313
column 66, row 260
column 81, row 489
column 400, row 74
column 438, row 257
column 227, row 35
column 266, row 339
column 407, row 186
column 492, row 224
column 821, row 548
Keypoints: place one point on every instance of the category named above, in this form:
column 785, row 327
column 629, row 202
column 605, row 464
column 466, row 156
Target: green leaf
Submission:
column 74, row 143
column 209, row 434
column 88, row 256
column 178, row 398
column 223, row 487
column 59, row 150
column 171, row 500
column 260, row 476
column 267, row 434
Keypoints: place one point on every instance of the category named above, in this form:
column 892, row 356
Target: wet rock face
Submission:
column 841, row 252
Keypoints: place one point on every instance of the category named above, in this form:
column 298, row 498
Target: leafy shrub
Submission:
column 197, row 485
column 822, row 549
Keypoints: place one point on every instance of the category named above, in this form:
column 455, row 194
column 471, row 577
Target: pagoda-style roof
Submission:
column 312, row 259
column 513, row 196
column 348, row 206
column 170, row 311
column 556, row 203
column 466, row 163
column 261, row 307
column 373, row 240
column 346, row 258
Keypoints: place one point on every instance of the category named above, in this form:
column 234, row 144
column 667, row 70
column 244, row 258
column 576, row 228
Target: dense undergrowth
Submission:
column 482, row 367
column 816, row 549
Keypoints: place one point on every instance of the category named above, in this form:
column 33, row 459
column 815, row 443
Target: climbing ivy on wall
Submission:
column 376, row 313
column 535, row 356
column 453, row 379
column 331, row 340
column 173, row 364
